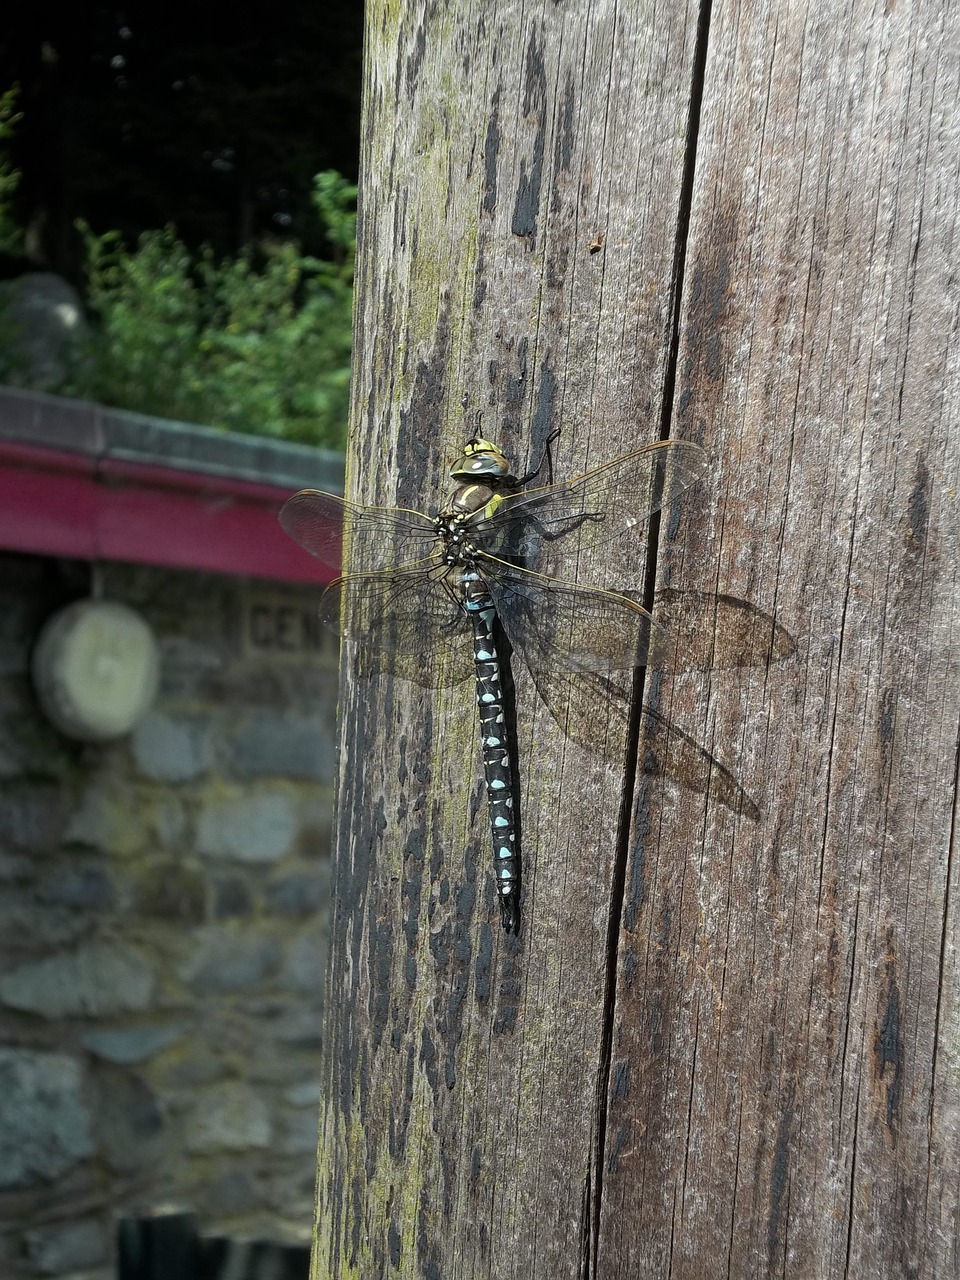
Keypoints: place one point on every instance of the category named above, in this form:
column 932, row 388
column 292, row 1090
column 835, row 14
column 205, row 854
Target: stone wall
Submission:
column 163, row 922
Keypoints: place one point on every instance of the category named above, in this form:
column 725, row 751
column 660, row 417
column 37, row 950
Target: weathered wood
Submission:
column 797, row 1115
column 753, row 1069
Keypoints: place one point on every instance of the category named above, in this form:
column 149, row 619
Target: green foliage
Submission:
column 11, row 235
column 259, row 343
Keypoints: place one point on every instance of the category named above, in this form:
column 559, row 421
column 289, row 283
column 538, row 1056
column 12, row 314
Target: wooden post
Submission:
column 720, row 1046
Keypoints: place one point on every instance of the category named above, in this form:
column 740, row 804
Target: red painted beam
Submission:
column 54, row 502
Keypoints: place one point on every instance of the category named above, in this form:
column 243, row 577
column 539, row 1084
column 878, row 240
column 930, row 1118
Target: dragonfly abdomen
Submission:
column 497, row 765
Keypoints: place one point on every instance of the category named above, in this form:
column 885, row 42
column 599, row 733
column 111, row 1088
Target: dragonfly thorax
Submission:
column 454, row 532
column 468, row 507
column 468, row 499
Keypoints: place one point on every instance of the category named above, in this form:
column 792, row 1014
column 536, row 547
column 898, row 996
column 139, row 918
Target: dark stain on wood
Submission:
column 428, row 1060
column 888, row 717
column 509, row 377
column 635, row 884
column 491, row 155
column 563, row 142
column 427, row 1244
column 629, row 967
column 918, row 511
column 466, row 905
column 526, row 207
column 706, row 314
column 621, row 1142
column 621, row 1079
column 543, row 414
column 421, row 425
column 508, row 996
column 380, row 958
column 888, row 1047
column 415, row 61
column 779, row 1180
column 393, row 1244
column 483, row 964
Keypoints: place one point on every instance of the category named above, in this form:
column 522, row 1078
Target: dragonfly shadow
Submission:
column 701, row 631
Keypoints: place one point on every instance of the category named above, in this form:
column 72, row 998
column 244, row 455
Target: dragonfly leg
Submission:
column 546, row 457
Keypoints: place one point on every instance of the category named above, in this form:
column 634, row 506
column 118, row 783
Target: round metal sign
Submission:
column 96, row 669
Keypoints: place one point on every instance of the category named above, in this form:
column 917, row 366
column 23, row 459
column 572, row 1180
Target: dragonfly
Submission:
column 498, row 562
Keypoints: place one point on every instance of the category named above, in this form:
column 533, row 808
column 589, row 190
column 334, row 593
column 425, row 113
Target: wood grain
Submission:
column 720, row 1046
column 783, row 1086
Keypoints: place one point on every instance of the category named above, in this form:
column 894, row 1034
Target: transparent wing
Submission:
column 408, row 622
column 552, row 623
column 375, row 537
column 593, row 711
column 539, row 527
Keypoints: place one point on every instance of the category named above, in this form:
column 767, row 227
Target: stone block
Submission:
column 16, row 868
column 96, row 980
column 187, row 667
column 300, row 1028
column 193, row 1071
column 316, row 816
column 130, row 1119
column 305, row 963
column 45, row 1123
column 233, row 1193
column 231, row 962
column 55, row 1250
column 84, row 886
column 33, row 816
column 278, row 745
column 299, row 894
column 229, row 1117
column 108, row 818
column 307, row 1093
column 249, row 826
column 29, row 744
column 26, row 927
column 171, row 749
column 299, row 1131
column 232, row 898
column 128, row 1045
column 168, row 890
column 48, row 324
column 168, row 819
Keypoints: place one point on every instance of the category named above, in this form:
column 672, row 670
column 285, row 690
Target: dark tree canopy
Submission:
column 210, row 118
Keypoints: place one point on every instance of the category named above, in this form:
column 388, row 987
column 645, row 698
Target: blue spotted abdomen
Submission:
column 497, row 767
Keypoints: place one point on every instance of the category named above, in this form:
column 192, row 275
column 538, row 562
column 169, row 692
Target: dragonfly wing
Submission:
column 593, row 711
column 613, row 502
column 407, row 622
column 553, row 623
column 375, row 537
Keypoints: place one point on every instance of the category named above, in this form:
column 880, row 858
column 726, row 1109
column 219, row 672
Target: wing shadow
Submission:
column 705, row 631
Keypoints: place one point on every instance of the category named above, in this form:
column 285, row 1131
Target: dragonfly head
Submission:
column 480, row 458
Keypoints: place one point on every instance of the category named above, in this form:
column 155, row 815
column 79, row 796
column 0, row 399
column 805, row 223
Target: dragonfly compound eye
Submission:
column 480, row 458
